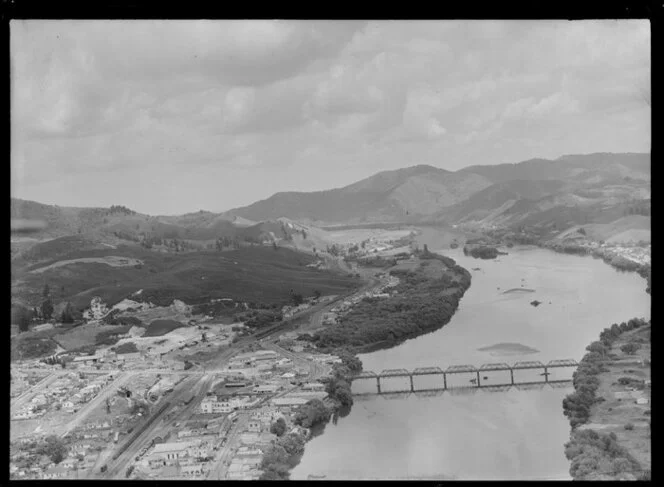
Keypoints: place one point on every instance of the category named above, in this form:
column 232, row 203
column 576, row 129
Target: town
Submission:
column 144, row 406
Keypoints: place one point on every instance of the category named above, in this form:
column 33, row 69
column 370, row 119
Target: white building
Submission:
column 266, row 389
column 288, row 401
column 170, row 453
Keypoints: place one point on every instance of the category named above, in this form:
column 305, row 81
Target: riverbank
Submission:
column 623, row 257
column 373, row 324
column 425, row 300
column 609, row 411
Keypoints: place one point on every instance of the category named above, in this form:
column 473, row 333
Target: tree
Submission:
column 316, row 293
column 630, row 348
column 312, row 413
column 22, row 317
column 67, row 315
column 297, row 299
column 274, row 246
column 293, row 444
column 46, row 292
column 598, row 347
column 278, row 427
column 47, row 309
column 53, row 447
column 426, row 249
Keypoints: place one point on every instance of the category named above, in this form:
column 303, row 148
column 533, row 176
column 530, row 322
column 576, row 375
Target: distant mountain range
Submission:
column 426, row 193
column 606, row 196
column 572, row 189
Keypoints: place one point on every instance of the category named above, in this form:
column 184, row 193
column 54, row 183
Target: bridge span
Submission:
column 477, row 375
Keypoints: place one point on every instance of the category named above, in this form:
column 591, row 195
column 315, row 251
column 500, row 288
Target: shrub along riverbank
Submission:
column 287, row 451
column 592, row 453
column 425, row 300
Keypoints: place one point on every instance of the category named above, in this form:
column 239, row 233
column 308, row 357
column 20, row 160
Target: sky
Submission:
column 174, row 116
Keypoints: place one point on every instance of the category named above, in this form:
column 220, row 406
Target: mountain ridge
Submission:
column 417, row 193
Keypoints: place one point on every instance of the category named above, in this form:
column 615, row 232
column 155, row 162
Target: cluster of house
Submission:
column 256, row 438
column 226, row 404
column 81, row 456
column 259, row 363
column 21, row 382
column 68, row 393
column 640, row 255
column 290, row 311
column 380, row 291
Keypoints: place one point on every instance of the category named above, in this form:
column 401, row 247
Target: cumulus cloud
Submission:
column 259, row 98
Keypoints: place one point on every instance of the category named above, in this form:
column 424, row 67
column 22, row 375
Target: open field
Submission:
column 112, row 260
column 625, row 229
column 259, row 274
column 161, row 327
column 85, row 335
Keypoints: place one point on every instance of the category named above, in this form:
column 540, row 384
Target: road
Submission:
column 316, row 369
column 110, row 390
column 192, row 385
column 220, row 467
column 34, row 390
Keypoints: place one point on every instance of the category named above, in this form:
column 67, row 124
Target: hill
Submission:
column 582, row 168
column 387, row 196
column 256, row 274
column 548, row 195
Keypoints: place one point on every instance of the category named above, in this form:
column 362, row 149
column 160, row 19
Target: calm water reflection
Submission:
column 483, row 435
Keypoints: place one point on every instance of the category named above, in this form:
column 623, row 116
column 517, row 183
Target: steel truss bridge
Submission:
column 477, row 374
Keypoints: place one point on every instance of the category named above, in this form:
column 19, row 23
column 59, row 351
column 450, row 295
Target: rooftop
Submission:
column 174, row 446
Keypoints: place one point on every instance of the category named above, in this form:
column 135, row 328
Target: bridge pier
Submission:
column 378, row 384
column 478, row 379
column 412, row 387
column 512, row 375
column 546, row 375
column 444, row 381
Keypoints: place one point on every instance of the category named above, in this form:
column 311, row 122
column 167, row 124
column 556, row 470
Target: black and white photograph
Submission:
column 324, row 250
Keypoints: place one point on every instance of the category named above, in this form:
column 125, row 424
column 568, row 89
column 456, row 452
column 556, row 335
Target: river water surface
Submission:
column 514, row 434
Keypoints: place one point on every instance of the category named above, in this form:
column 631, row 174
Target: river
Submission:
column 508, row 435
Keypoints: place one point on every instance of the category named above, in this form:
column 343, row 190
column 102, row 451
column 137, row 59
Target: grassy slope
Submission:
column 251, row 274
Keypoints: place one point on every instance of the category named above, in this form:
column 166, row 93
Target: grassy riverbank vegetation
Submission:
column 286, row 452
column 604, row 398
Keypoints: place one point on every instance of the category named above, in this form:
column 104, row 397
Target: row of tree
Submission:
column 577, row 405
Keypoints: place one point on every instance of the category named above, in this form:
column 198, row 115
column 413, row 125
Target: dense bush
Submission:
column 161, row 327
column 129, row 347
column 22, row 317
column 281, row 456
column 423, row 304
column 53, row 447
column 576, row 406
column 314, row 412
column 597, row 453
column 278, row 427
column 630, row 348
column 481, row 252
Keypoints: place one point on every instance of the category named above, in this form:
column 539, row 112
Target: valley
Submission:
column 281, row 298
